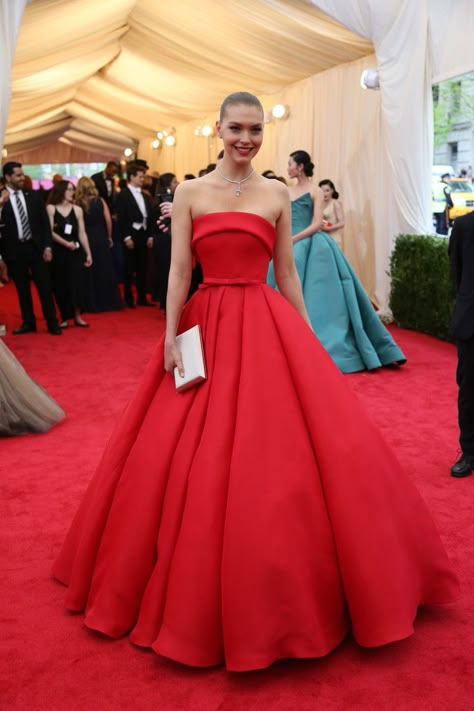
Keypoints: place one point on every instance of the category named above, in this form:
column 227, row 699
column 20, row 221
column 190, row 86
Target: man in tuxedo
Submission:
column 134, row 212
column 26, row 247
column 461, row 259
column 104, row 182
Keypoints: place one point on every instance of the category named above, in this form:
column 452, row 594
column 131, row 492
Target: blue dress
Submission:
column 340, row 311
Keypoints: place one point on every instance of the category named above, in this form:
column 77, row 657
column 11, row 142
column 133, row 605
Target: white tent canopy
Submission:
column 125, row 69
column 92, row 77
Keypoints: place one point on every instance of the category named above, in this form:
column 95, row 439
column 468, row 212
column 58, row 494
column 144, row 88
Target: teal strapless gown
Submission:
column 340, row 311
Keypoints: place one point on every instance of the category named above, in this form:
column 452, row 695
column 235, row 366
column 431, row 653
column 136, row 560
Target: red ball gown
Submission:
column 260, row 515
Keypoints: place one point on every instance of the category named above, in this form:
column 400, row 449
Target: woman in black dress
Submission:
column 71, row 253
column 103, row 293
column 167, row 184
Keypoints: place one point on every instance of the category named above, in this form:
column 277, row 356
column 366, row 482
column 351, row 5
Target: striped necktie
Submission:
column 25, row 225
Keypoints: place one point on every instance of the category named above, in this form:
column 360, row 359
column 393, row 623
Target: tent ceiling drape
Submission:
column 131, row 67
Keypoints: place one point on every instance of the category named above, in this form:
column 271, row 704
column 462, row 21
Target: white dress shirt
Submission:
column 140, row 200
column 19, row 226
column 108, row 184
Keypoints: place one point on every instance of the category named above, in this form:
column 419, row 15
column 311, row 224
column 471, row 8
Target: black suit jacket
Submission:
column 39, row 224
column 461, row 261
column 101, row 185
column 128, row 212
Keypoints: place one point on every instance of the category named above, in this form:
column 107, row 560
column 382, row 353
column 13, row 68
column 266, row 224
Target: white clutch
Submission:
column 192, row 354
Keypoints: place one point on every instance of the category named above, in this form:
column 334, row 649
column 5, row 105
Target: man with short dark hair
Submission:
column 134, row 211
column 26, row 247
column 461, row 258
column 104, row 182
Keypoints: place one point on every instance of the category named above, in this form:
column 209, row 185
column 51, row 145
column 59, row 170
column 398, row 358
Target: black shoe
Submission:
column 24, row 328
column 463, row 467
column 130, row 304
column 144, row 302
column 55, row 330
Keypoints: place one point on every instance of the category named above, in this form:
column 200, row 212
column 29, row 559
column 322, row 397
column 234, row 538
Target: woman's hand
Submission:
column 166, row 209
column 88, row 261
column 173, row 357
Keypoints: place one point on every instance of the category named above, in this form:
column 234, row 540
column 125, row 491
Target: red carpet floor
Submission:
column 50, row 661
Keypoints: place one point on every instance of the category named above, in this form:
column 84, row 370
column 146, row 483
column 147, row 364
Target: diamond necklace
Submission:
column 238, row 183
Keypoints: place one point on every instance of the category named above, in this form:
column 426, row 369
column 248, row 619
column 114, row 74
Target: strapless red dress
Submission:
column 260, row 515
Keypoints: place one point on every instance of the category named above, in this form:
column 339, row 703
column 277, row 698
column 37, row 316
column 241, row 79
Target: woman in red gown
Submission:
column 260, row 515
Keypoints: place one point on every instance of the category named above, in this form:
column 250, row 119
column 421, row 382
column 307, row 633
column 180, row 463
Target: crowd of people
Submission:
column 78, row 243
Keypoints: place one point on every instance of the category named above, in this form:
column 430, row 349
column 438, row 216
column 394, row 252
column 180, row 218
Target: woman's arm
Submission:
column 317, row 222
column 82, row 235
column 339, row 224
column 108, row 221
column 286, row 275
column 180, row 273
column 57, row 238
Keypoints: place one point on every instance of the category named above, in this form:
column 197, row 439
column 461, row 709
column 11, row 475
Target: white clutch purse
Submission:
column 192, row 354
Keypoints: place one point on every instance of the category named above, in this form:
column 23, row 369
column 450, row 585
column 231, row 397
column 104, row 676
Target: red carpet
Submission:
column 50, row 661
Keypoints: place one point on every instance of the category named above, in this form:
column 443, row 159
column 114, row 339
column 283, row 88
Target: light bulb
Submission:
column 280, row 111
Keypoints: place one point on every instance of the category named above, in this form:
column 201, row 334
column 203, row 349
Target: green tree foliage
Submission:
column 453, row 102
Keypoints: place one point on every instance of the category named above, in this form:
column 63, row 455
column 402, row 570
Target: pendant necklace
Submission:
column 238, row 183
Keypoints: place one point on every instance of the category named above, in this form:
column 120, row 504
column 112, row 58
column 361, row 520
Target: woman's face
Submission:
column 242, row 132
column 327, row 192
column 69, row 194
column 293, row 168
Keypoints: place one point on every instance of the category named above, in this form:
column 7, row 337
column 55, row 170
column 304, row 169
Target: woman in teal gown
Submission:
column 341, row 313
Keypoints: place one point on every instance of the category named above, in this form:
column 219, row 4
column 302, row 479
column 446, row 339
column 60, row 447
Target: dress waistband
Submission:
column 236, row 281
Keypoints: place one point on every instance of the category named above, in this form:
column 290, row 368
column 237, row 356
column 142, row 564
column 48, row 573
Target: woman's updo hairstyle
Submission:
column 239, row 97
column 304, row 159
column 326, row 181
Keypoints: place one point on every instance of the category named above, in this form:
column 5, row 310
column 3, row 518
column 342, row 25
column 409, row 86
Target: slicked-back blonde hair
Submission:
column 239, row 97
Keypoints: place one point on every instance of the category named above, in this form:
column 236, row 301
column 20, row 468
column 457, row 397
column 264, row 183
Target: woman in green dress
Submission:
column 341, row 313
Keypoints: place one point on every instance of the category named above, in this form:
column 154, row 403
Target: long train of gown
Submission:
column 24, row 405
column 260, row 515
column 340, row 311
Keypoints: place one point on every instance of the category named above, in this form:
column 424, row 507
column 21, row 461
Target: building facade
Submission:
column 453, row 104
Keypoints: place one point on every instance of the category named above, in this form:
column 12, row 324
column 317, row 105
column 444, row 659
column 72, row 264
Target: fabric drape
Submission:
column 10, row 19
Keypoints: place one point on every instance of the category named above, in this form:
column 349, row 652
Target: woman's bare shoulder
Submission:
column 274, row 187
column 189, row 188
